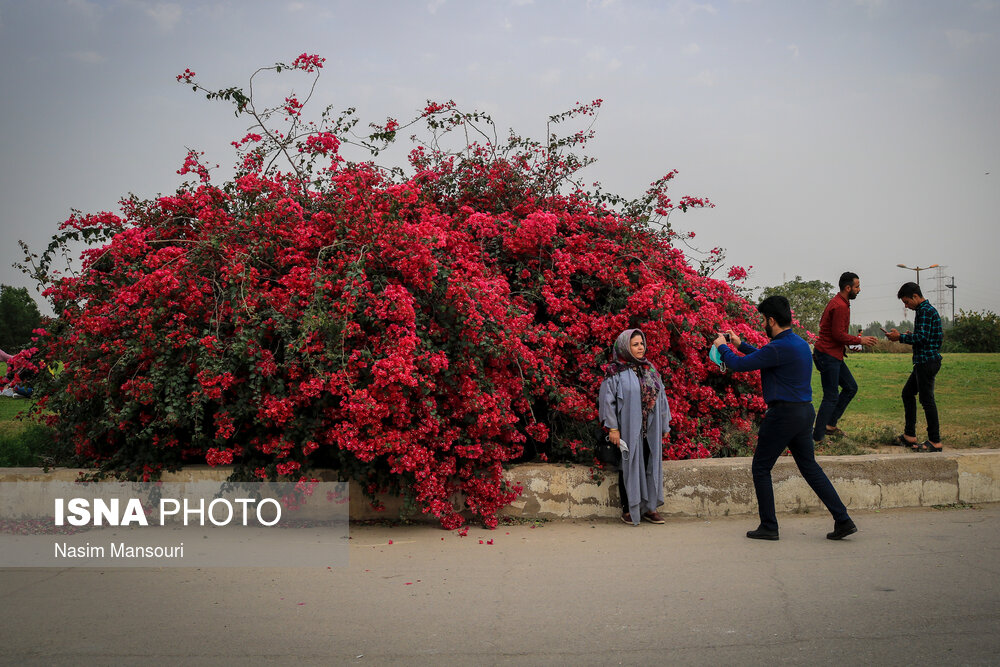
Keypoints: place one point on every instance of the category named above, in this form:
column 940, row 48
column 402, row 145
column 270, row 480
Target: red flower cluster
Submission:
column 323, row 143
column 307, row 62
column 292, row 106
column 418, row 333
column 192, row 163
column 737, row 274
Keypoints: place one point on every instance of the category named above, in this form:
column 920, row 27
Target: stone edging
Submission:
column 721, row 487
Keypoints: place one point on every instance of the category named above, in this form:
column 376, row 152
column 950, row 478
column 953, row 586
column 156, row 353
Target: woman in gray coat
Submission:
column 633, row 408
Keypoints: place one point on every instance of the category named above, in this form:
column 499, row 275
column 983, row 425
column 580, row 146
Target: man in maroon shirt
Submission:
column 839, row 386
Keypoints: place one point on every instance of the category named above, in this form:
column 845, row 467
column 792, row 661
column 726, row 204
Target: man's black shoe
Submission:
column 842, row 529
column 762, row 534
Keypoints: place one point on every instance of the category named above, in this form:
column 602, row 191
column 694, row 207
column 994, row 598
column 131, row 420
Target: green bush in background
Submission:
column 974, row 332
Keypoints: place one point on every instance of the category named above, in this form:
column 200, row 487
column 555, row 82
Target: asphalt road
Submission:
column 913, row 587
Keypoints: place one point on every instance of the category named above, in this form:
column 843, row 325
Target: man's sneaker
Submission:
column 842, row 529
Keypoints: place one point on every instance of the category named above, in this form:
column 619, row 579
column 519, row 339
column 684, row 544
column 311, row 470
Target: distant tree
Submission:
column 807, row 298
column 873, row 329
column 974, row 332
column 19, row 316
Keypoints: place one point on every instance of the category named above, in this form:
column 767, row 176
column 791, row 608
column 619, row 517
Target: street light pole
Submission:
column 952, row 287
column 918, row 269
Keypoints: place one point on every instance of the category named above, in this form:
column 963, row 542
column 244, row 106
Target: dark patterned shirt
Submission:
column 927, row 334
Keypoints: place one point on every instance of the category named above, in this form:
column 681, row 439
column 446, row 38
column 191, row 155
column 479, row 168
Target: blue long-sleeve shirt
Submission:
column 785, row 366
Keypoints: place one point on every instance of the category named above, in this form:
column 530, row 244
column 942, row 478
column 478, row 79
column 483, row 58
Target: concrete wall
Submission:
column 721, row 487
column 709, row 487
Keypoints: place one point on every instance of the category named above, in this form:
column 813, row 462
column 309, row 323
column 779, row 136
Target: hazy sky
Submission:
column 831, row 135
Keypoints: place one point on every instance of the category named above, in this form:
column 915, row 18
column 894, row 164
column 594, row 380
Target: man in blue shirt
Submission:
column 926, row 339
column 785, row 366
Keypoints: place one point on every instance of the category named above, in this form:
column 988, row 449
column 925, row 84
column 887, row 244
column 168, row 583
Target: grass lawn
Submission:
column 10, row 407
column 967, row 390
column 22, row 443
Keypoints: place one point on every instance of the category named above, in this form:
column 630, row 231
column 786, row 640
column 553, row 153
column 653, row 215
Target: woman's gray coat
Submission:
column 620, row 407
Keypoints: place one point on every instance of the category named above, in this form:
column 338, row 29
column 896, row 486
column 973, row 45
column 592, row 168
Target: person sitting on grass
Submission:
column 17, row 382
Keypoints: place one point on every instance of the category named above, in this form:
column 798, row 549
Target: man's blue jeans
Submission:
column 833, row 374
column 787, row 425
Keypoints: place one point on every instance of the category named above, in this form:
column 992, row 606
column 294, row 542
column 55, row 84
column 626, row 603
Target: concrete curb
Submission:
column 723, row 487
column 706, row 487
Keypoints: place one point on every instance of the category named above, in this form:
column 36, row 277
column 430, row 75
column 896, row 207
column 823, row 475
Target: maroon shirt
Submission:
column 833, row 328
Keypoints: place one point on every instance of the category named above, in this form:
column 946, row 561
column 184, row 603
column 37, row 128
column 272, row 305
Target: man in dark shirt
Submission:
column 926, row 339
column 785, row 376
column 839, row 386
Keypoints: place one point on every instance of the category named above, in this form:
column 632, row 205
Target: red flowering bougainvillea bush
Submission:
column 415, row 329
